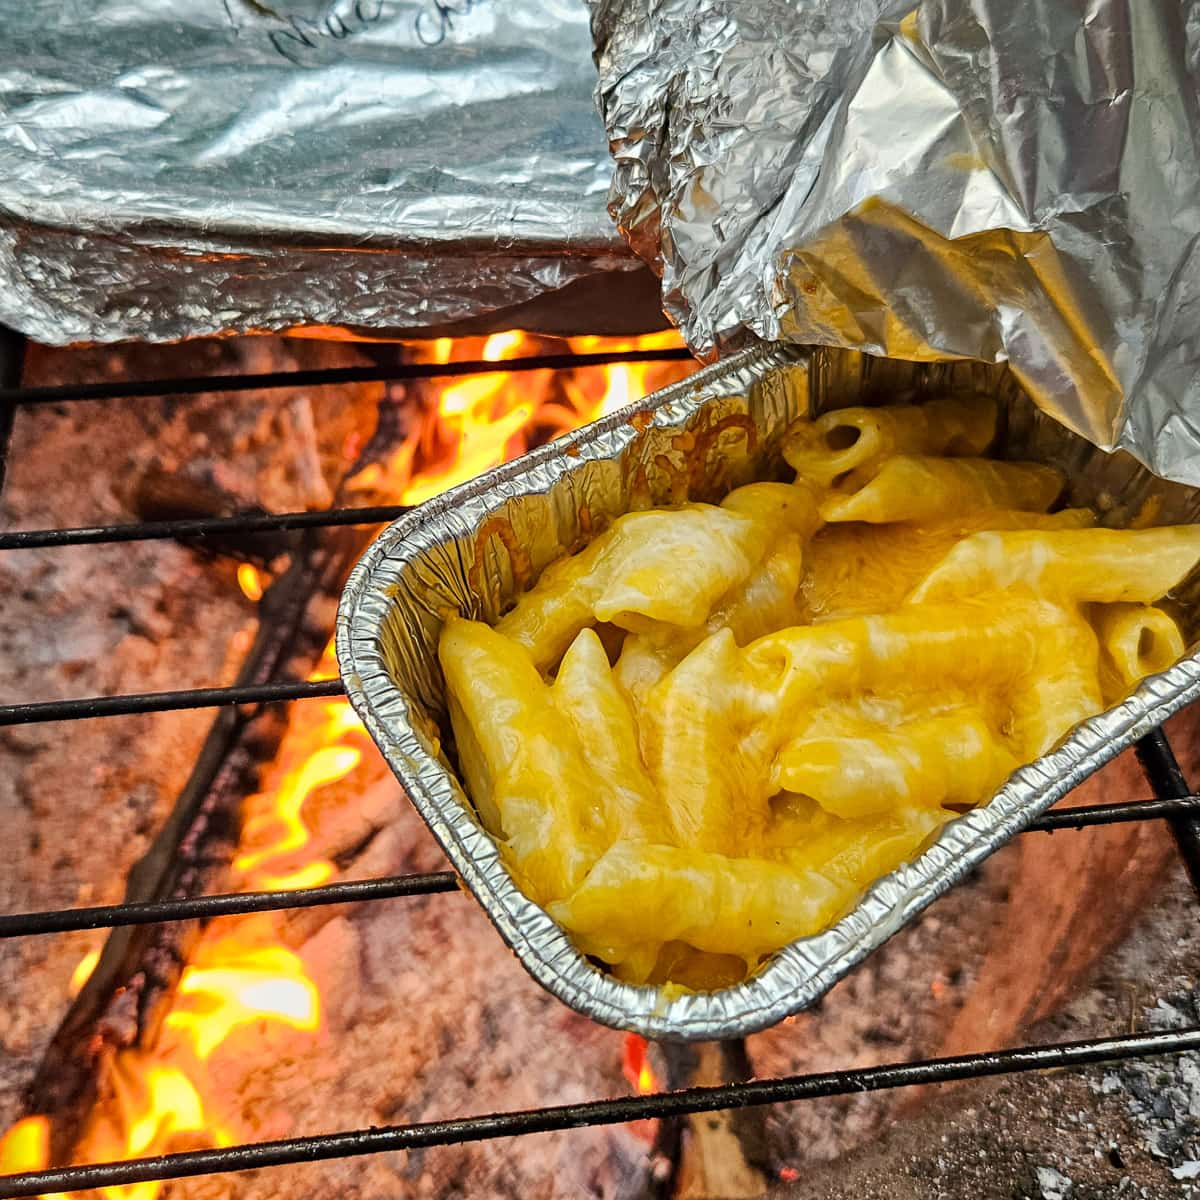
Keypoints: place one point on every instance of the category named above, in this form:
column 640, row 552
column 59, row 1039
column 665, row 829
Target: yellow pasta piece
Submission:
column 673, row 566
column 776, row 508
column 546, row 619
column 851, row 438
column 1136, row 640
column 859, row 568
column 663, row 565
column 643, row 662
column 767, row 600
column 764, row 601
column 954, row 758
column 587, row 695
column 700, row 744
column 1089, row 565
column 916, row 488
column 524, row 755
column 1042, row 659
column 745, row 907
column 794, row 708
column 853, row 854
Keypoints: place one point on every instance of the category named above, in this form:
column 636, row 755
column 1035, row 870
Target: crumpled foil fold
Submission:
column 928, row 179
column 171, row 168
column 476, row 547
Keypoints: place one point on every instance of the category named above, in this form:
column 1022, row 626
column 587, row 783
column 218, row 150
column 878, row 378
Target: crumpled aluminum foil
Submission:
column 474, row 548
column 170, row 168
column 992, row 179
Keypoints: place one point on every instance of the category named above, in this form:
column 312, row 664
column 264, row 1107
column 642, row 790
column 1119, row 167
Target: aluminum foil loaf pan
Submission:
column 473, row 549
column 176, row 168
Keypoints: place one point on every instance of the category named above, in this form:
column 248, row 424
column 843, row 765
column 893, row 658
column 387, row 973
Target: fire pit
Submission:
column 283, row 985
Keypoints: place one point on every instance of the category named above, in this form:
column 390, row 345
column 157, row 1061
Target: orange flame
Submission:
column 234, row 985
column 635, row 1066
column 250, row 581
column 240, row 976
column 156, row 1105
column 26, row 1146
column 83, row 972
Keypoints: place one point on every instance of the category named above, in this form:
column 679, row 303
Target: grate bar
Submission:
column 329, row 376
column 148, row 702
column 198, row 527
column 599, row 1112
column 111, row 916
column 1117, row 814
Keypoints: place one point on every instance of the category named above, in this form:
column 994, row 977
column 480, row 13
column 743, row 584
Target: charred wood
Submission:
column 129, row 991
column 719, row 1155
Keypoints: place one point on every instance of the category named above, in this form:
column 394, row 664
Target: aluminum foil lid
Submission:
column 994, row 179
column 179, row 167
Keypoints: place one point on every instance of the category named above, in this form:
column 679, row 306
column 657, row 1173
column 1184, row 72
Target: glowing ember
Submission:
column 240, row 976
column 250, row 581
column 83, row 972
column 637, row 1071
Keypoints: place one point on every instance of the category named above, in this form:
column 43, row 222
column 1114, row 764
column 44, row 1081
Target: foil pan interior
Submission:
column 1004, row 180
column 179, row 167
column 473, row 549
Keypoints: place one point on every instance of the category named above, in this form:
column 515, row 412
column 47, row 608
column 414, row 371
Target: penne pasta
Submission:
column 919, row 488
column 1104, row 566
column 743, row 907
column 699, row 745
column 642, row 664
column 848, row 852
column 859, row 568
column 1136, row 640
column 666, row 566
column 704, row 735
column 525, row 756
column 850, row 439
column 587, row 695
column 950, row 759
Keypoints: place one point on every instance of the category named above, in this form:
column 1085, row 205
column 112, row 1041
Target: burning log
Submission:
column 719, row 1155
column 125, row 997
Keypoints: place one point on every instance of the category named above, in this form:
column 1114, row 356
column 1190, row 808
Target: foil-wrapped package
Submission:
column 473, row 549
column 928, row 179
column 170, row 168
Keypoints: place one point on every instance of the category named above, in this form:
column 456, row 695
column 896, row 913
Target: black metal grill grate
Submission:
column 1173, row 801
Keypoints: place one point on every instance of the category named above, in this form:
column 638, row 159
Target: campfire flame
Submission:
column 635, row 1066
column 83, row 972
column 240, row 975
column 250, row 581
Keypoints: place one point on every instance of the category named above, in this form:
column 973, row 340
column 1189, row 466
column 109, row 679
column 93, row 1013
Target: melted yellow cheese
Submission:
column 859, row 568
column 921, row 488
column 794, row 708
column 850, row 439
column 1136, row 640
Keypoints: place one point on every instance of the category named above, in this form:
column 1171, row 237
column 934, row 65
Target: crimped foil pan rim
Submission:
column 805, row 969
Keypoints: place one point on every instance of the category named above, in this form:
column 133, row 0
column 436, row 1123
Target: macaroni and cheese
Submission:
column 704, row 735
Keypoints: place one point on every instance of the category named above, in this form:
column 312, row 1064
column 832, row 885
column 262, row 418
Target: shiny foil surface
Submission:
column 170, row 168
column 1003, row 180
column 474, row 548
